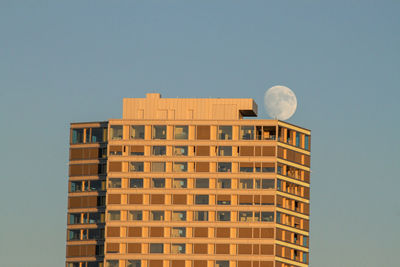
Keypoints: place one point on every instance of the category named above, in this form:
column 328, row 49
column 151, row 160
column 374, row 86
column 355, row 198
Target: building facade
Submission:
column 188, row 183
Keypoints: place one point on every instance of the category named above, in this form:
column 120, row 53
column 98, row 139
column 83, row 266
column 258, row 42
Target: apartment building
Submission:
column 188, row 183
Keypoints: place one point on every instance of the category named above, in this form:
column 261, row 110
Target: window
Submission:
column 74, row 218
column 246, row 167
column 95, row 217
column 181, row 132
column 180, row 167
column 178, row 232
column 156, row 248
column 202, row 183
column 98, row 135
column 179, row 183
column 158, row 166
column 159, row 150
column 180, row 150
column 247, row 132
column 133, row 263
column 304, row 257
column 116, row 132
column 178, row 216
column 137, row 132
column 223, row 216
column 96, row 185
column 158, row 182
column 223, row 200
column 74, row 234
column 201, row 216
column 224, row 183
column 225, row 151
column 245, row 216
column 157, row 216
column 112, row 263
column 114, row 182
column 159, row 132
column 136, row 166
column 96, row 234
column 307, row 142
column 73, row 264
column 267, row 216
column 268, row 184
column 178, row 249
column 76, row 186
column 77, row 136
column 136, row 183
column 246, row 184
column 203, row 132
column 137, row 150
column 224, row 166
column 222, row 264
column 115, row 150
column 305, row 241
column 135, row 215
column 201, row 199
column 225, row 132
column 114, row 215
column 297, row 139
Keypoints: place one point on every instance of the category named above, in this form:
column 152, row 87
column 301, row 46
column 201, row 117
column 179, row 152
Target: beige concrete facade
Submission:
column 188, row 182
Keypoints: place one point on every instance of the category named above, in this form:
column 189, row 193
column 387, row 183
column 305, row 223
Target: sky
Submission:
column 71, row 61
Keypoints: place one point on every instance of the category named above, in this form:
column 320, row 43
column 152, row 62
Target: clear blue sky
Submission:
column 68, row 61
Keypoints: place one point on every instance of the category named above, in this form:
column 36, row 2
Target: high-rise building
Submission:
column 188, row 183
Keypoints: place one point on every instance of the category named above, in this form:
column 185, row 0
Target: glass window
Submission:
column 278, row 217
column 114, row 215
column 77, row 136
column 223, row 200
column 96, row 234
column 202, row 183
column 158, row 166
column 245, row 216
column 201, row 199
column 180, row 150
column 224, row 216
column 73, row 264
column 222, row 264
column 178, row 249
column 136, row 166
column 178, row 232
column 297, row 139
column 112, row 263
column 201, row 216
column 97, row 135
column 178, row 216
column 114, row 182
column 159, row 150
column 268, row 184
column 179, row 183
column 267, row 216
column 137, row 132
column 95, row 185
column 247, row 132
column 95, row 217
column 159, row 132
column 137, row 150
column 74, row 218
column 157, row 216
column 156, row 248
column 74, row 234
column 224, row 183
column 305, row 241
column 225, row 132
column 246, row 184
column 224, row 151
column 136, row 183
column 224, row 166
column 180, row 167
column 135, row 215
column 158, row 182
column 116, row 132
column 76, row 186
column 181, row 132
column 133, row 263
column 246, row 167
column 307, row 142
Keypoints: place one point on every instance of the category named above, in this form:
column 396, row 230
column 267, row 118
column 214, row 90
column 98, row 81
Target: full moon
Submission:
column 280, row 102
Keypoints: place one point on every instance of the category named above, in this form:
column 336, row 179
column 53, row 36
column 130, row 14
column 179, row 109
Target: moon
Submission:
column 280, row 102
